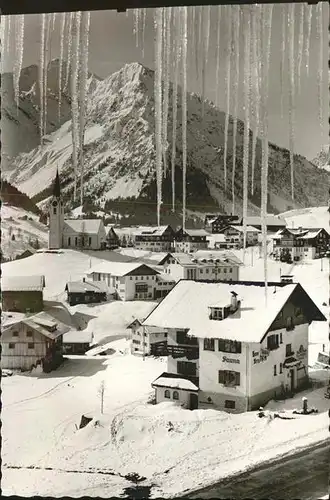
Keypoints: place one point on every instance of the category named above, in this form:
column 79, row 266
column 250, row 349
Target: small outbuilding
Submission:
column 86, row 292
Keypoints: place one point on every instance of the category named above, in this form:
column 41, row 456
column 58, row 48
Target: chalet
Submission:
column 234, row 236
column 218, row 222
column 72, row 233
column 22, row 293
column 298, row 244
column 202, row 266
column 190, row 240
column 33, row 340
column 130, row 280
column 77, row 341
column 273, row 222
column 148, row 340
column 237, row 351
column 155, row 239
column 112, row 240
column 86, row 292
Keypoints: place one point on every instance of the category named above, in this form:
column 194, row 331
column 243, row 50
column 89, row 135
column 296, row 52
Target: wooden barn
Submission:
column 86, row 292
column 22, row 293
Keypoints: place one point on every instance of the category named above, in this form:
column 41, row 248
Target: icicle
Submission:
column 291, row 17
column 42, row 74
column 235, row 53
column 74, row 96
column 69, row 23
column 60, row 70
column 309, row 13
column 199, row 14
column 53, row 20
column 319, row 24
column 228, row 82
column 266, row 25
column 206, row 43
column 3, row 39
column 144, row 17
column 184, row 111
column 159, row 14
column 246, row 88
column 176, row 59
column 192, row 28
column 8, row 34
column 283, row 53
column 300, row 44
column 19, row 46
column 217, row 70
column 256, row 76
column 136, row 14
column 84, row 37
column 167, row 45
column 46, row 62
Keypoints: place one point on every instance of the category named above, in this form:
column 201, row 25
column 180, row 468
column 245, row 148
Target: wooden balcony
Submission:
column 159, row 349
column 183, row 351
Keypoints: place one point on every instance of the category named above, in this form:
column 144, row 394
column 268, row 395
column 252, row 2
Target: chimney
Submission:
column 300, row 229
column 233, row 302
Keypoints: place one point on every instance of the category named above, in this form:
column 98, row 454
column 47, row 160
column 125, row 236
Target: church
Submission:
column 72, row 233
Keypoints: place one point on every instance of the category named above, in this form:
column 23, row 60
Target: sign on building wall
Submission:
column 230, row 360
column 260, row 356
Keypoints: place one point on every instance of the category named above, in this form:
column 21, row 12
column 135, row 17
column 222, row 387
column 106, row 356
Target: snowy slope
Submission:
column 58, row 268
column 323, row 159
column 120, row 152
column 308, row 217
column 26, row 229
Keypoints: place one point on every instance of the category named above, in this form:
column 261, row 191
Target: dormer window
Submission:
column 216, row 313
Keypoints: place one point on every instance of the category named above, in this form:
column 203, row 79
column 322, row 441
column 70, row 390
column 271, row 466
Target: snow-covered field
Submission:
column 173, row 449
column 19, row 229
column 58, row 268
column 307, row 217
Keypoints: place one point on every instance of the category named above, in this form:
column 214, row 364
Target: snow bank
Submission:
column 307, row 217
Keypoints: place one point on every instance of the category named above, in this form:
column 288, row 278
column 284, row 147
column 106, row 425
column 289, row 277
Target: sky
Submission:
column 113, row 44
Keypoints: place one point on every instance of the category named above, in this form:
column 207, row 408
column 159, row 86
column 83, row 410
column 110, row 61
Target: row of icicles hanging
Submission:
column 181, row 31
column 72, row 73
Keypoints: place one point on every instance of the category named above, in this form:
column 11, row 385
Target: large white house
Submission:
column 299, row 243
column 237, row 351
column 234, row 236
column 146, row 340
column 201, row 268
column 155, row 239
column 190, row 240
column 129, row 280
column 72, row 233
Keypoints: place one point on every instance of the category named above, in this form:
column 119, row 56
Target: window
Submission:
column 175, row 395
column 289, row 323
column 281, row 338
column 186, row 368
column 207, row 271
column 275, row 371
column 11, row 345
column 230, row 269
column 167, row 394
column 141, row 288
column 225, row 270
column 130, row 277
column 208, row 344
column 288, row 350
column 76, row 241
column 216, row 313
column 29, row 333
column 230, row 404
column 69, row 241
column 272, row 342
column 54, row 211
column 30, row 345
column 229, row 378
column 281, row 367
column 15, row 333
column 230, row 346
column 89, row 241
column 298, row 311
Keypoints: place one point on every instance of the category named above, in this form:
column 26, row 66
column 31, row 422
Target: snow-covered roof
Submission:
column 187, row 307
column 77, row 337
column 22, row 283
column 42, row 321
column 222, row 255
column 165, row 277
column 196, row 232
column 87, row 226
column 173, row 382
column 180, row 257
column 86, row 286
column 216, row 238
column 118, row 268
column 311, row 233
column 248, row 229
column 151, row 231
column 11, row 318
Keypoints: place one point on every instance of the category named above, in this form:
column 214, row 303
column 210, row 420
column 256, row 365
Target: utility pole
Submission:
column 321, row 264
column 143, row 346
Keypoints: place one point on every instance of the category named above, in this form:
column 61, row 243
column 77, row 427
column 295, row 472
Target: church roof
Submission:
column 88, row 226
column 57, row 186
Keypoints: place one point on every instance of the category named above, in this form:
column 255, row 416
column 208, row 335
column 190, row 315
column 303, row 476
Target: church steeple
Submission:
column 57, row 186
